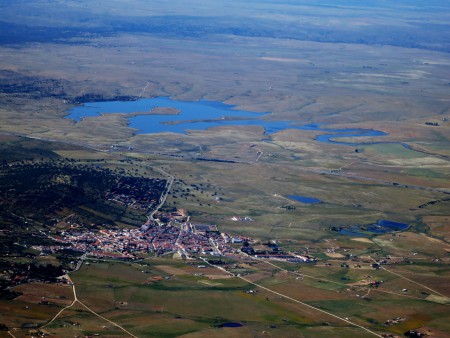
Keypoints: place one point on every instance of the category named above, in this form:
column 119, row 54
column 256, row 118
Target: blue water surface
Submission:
column 392, row 225
column 231, row 324
column 304, row 199
column 201, row 115
column 379, row 228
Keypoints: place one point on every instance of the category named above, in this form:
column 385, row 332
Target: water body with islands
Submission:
column 201, row 115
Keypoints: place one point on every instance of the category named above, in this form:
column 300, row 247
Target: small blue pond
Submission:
column 231, row 324
column 379, row 228
column 202, row 115
column 393, row 225
column 304, row 199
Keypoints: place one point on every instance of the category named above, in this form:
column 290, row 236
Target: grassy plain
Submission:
column 347, row 65
column 140, row 298
column 184, row 303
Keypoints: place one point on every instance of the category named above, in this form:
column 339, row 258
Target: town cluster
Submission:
column 186, row 239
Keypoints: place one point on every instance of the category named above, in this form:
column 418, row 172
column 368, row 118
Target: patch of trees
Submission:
column 40, row 190
column 25, row 272
column 37, row 87
column 16, row 84
column 433, row 203
column 98, row 97
column 138, row 188
column 8, row 294
column 214, row 160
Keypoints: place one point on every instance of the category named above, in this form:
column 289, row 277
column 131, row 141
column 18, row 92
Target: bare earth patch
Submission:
column 218, row 276
column 334, row 255
column 362, row 239
column 438, row 299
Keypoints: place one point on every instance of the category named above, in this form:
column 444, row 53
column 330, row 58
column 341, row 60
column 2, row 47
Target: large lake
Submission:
column 201, row 115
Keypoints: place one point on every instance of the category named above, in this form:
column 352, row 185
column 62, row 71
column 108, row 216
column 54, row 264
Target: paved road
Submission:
column 163, row 198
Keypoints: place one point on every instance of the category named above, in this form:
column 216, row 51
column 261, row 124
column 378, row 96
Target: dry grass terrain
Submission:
column 351, row 64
